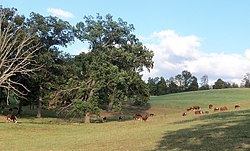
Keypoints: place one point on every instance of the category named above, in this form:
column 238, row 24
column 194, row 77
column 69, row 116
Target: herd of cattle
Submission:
column 197, row 109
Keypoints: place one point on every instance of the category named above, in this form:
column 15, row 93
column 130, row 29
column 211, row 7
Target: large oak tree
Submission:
column 110, row 72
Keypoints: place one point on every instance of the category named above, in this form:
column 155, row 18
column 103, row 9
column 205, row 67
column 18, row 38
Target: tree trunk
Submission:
column 20, row 107
column 110, row 106
column 39, row 105
column 88, row 97
column 32, row 105
column 87, row 117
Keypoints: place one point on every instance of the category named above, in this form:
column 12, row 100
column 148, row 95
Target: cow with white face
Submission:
column 11, row 117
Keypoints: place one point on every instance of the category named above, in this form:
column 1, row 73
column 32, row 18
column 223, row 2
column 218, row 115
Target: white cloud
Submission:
column 175, row 53
column 60, row 13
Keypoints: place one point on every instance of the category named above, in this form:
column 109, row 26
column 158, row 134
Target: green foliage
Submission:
column 107, row 75
column 180, row 83
column 219, row 84
column 56, row 67
column 110, row 71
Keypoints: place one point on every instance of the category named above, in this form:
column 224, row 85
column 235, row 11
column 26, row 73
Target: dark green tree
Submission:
column 51, row 32
column 173, row 87
column 152, row 84
column 187, row 79
column 219, row 84
column 161, row 86
column 193, row 86
column 179, row 82
column 110, row 71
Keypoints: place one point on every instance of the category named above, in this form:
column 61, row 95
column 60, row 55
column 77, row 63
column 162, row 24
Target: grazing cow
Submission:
column 196, row 108
column 210, row 106
column 198, row 112
column 184, row 114
column 216, row 109
column 135, row 117
column 144, row 118
column 223, row 108
column 11, row 117
column 206, row 112
column 138, row 115
column 151, row 114
column 190, row 109
column 237, row 106
column 104, row 119
column 120, row 118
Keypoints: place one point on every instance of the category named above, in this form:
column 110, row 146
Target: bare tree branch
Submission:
column 17, row 50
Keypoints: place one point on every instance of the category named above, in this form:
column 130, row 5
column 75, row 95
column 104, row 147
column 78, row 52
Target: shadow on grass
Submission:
column 126, row 114
column 220, row 131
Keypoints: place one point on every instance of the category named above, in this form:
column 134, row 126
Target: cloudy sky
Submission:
column 209, row 37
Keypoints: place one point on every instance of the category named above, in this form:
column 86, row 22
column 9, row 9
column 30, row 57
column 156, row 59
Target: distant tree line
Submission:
column 187, row 82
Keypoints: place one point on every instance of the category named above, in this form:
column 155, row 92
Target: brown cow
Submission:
column 196, row 108
column 144, row 118
column 138, row 115
column 151, row 114
column 216, row 109
column 135, row 117
column 223, row 108
column 198, row 112
column 206, row 112
column 184, row 114
column 11, row 117
column 190, row 109
column 237, row 106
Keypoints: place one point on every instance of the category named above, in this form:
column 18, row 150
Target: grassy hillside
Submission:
column 168, row 130
column 217, row 97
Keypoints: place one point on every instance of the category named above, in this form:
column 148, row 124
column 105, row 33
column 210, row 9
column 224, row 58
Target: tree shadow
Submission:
column 126, row 114
column 220, row 131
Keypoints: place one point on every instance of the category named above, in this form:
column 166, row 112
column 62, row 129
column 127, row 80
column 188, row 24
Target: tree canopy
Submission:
column 110, row 73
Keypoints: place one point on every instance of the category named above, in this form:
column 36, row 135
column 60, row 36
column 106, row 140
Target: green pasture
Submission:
column 166, row 131
column 218, row 97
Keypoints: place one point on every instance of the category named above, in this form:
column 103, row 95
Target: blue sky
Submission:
column 202, row 36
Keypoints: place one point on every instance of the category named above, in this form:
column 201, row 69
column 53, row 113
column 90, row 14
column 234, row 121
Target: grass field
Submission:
column 167, row 130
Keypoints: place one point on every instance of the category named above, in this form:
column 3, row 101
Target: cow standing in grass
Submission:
column 237, row 106
column 136, row 117
column 11, row 117
column 216, row 109
column 223, row 108
column 144, row 118
column 198, row 112
column 195, row 108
